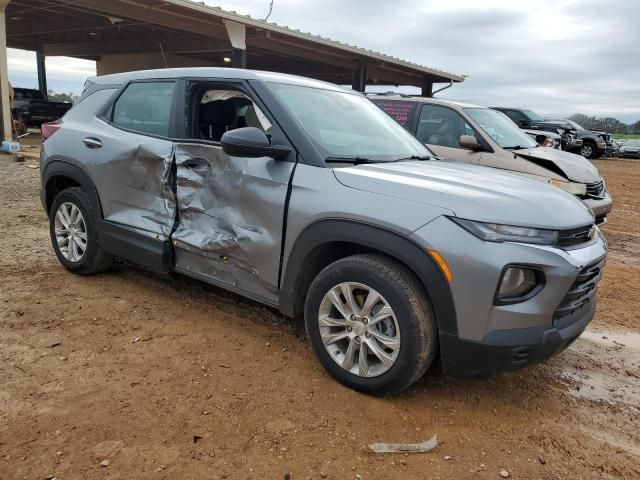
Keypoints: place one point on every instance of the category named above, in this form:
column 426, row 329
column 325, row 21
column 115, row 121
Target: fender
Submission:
column 369, row 236
column 59, row 166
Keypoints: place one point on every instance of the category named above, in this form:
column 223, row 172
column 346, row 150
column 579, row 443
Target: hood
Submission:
column 535, row 133
column 472, row 192
column 571, row 166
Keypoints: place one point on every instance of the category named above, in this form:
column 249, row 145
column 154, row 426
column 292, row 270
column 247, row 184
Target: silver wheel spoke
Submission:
column 327, row 321
column 383, row 313
column 63, row 220
column 363, row 362
column 384, row 357
column 347, row 293
column 331, row 338
column 349, row 355
column 372, row 299
column 335, row 300
column 389, row 342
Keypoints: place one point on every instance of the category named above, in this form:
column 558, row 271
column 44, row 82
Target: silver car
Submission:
column 461, row 132
column 308, row 198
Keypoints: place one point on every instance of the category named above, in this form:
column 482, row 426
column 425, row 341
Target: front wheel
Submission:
column 370, row 324
column 588, row 150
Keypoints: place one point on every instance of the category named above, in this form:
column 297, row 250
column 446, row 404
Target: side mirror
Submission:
column 470, row 142
column 251, row 142
column 523, row 123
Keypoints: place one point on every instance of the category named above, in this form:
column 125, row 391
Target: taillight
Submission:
column 48, row 129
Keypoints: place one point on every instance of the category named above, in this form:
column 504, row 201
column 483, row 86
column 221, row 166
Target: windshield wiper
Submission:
column 353, row 160
column 415, row 157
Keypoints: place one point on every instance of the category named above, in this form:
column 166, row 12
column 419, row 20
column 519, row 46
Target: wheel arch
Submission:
column 60, row 174
column 326, row 241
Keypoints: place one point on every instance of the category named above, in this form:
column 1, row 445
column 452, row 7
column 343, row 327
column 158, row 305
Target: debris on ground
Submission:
column 405, row 447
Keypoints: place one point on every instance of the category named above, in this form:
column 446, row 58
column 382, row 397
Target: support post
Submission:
column 238, row 38
column 359, row 78
column 42, row 72
column 427, row 88
column 6, row 122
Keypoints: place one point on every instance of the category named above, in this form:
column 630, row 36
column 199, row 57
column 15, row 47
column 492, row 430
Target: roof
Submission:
column 274, row 27
column 197, row 34
column 417, row 99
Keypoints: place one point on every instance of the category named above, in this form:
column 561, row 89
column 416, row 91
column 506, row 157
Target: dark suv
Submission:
column 575, row 138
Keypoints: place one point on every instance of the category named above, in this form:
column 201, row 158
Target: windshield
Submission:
column 575, row 125
column 502, row 130
column 632, row 143
column 343, row 124
column 533, row 116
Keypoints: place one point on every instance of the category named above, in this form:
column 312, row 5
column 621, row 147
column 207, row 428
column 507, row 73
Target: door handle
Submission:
column 92, row 142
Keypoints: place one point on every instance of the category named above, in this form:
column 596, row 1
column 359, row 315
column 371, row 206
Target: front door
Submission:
column 230, row 209
column 440, row 128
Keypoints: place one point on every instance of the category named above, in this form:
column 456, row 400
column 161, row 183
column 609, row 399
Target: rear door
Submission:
column 129, row 153
column 440, row 128
column 230, row 209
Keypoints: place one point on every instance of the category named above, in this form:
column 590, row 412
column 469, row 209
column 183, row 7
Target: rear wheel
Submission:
column 73, row 233
column 370, row 324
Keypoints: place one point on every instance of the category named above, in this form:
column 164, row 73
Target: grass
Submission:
column 618, row 136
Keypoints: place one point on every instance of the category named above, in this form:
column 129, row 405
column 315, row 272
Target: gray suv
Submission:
column 308, row 198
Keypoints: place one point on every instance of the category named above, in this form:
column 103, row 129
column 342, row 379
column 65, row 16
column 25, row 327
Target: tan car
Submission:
column 461, row 132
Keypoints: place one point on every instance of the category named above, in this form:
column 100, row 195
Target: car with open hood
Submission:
column 306, row 197
column 461, row 132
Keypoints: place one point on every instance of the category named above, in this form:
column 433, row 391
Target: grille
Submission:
column 582, row 291
column 596, row 189
column 576, row 236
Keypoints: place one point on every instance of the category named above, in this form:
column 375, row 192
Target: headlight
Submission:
column 571, row 187
column 493, row 232
column 548, row 142
column 560, row 131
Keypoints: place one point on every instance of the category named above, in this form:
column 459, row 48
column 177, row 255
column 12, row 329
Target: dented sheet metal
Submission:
column 230, row 213
column 138, row 189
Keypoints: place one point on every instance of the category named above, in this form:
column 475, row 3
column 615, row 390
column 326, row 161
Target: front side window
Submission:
column 442, row 126
column 343, row 124
column 221, row 110
column 145, row 108
column 515, row 116
column 533, row 116
column 500, row 128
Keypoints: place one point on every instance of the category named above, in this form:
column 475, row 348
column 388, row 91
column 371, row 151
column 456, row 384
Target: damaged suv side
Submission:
column 308, row 198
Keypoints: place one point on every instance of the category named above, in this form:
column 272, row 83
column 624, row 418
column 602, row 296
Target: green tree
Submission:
column 61, row 97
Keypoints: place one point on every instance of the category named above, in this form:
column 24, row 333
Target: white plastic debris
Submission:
column 405, row 447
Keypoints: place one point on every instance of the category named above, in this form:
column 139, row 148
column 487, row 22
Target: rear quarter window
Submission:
column 401, row 112
column 145, row 108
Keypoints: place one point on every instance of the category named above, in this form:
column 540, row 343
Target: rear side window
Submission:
column 400, row 111
column 145, row 108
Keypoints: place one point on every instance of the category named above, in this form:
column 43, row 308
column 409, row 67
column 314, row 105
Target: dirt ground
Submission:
column 167, row 378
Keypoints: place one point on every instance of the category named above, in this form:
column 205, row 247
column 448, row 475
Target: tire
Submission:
column 588, row 150
column 94, row 258
column 411, row 324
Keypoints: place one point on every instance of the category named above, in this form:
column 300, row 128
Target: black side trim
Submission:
column 393, row 244
column 135, row 247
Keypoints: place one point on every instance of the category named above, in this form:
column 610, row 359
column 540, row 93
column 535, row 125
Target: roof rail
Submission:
column 388, row 93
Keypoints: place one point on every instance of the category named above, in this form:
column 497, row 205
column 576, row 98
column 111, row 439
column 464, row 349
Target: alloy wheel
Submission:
column 71, row 232
column 359, row 329
column 586, row 151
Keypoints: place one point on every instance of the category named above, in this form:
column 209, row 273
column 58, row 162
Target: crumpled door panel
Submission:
column 230, row 216
column 136, row 189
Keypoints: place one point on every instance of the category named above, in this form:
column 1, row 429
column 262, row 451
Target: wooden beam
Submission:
column 143, row 45
column 135, row 11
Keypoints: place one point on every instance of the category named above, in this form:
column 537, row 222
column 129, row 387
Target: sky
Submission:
column 556, row 57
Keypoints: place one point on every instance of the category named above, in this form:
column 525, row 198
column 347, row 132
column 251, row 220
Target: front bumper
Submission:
column 492, row 338
column 600, row 207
